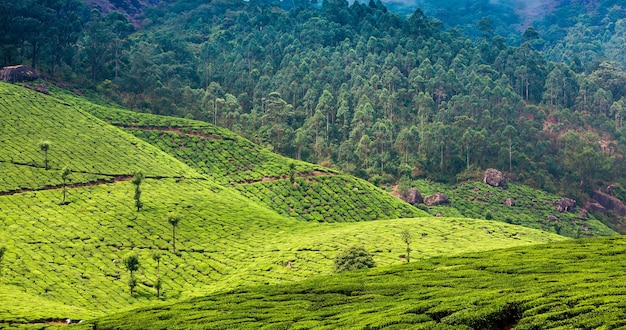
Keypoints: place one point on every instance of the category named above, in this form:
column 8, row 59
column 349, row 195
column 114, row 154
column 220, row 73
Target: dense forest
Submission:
column 355, row 86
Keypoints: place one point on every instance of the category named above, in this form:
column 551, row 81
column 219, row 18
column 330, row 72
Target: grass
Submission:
column 532, row 287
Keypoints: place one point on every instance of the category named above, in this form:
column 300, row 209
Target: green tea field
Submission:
column 67, row 237
column 577, row 284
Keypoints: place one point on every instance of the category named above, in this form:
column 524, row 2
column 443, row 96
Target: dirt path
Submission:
column 177, row 131
column 286, row 177
column 71, row 185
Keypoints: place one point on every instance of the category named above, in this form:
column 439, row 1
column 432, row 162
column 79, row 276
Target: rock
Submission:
column 609, row 202
column 436, row 199
column 18, row 73
column 552, row 218
column 412, row 197
column 509, row 202
column 439, row 214
column 566, row 205
column 583, row 214
column 494, row 178
column 594, row 206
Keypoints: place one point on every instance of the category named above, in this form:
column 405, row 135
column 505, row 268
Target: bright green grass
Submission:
column 573, row 284
column 531, row 209
column 335, row 198
column 77, row 139
column 70, row 254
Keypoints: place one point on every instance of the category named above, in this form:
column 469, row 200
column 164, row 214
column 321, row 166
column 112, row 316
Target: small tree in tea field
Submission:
column 3, row 250
column 173, row 220
column 65, row 173
column 156, row 256
column 45, row 146
column 406, row 238
column 137, row 179
column 131, row 262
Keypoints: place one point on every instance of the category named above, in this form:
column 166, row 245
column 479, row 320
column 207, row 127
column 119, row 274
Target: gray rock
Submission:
column 566, row 205
column 509, row 202
column 552, row 218
column 494, row 178
column 436, row 199
column 412, row 197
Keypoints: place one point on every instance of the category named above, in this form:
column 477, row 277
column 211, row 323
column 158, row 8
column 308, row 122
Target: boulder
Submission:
column 565, row 205
column 552, row 218
column 494, row 178
column 583, row 214
column 413, row 197
column 436, row 199
column 509, row 202
column 18, row 73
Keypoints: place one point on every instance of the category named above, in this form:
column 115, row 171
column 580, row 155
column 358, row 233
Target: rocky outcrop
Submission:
column 494, row 178
column 566, row 205
column 583, row 214
column 608, row 202
column 594, row 206
column 509, row 202
column 413, row 197
column 436, row 199
column 18, row 73
column 552, row 218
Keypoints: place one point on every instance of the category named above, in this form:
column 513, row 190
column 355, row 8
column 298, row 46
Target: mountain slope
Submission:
column 67, row 257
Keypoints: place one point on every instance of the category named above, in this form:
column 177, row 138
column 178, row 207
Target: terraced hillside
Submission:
column 571, row 285
column 531, row 208
column 92, row 149
column 65, row 260
column 316, row 194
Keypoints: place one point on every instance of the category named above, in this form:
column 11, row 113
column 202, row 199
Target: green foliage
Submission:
column 137, row 179
column 65, row 174
column 353, row 258
column 131, row 263
column 532, row 207
column 45, row 146
column 3, row 250
column 407, row 239
column 173, row 220
column 571, row 284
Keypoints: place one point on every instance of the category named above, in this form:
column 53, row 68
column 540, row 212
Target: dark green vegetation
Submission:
column 532, row 208
column 353, row 258
column 574, row 284
column 359, row 88
column 65, row 260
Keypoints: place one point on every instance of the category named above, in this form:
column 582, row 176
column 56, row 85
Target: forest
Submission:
column 356, row 87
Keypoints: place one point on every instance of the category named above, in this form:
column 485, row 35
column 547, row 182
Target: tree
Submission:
column 353, row 258
column 406, row 238
column 65, row 173
column 3, row 250
column 137, row 179
column 131, row 262
column 45, row 146
column 173, row 220
column 156, row 256
column 292, row 172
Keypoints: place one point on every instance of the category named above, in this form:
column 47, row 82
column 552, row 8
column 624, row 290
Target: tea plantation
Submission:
column 240, row 222
column 576, row 284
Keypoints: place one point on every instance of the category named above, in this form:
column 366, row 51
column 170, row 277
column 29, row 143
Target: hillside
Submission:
column 64, row 259
column 573, row 284
column 529, row 207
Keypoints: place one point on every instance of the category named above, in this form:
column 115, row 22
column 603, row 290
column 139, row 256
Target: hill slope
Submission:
column 63, row 260
column 574, row 284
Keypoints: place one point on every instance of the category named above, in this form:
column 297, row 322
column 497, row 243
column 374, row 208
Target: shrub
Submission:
column 353, row 258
